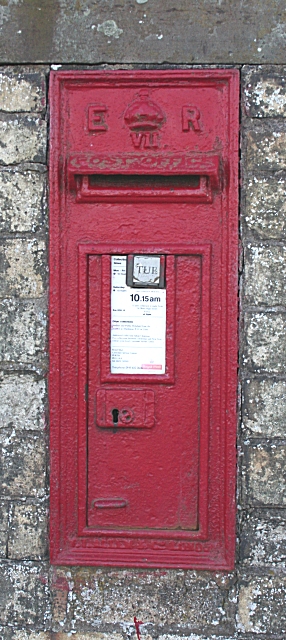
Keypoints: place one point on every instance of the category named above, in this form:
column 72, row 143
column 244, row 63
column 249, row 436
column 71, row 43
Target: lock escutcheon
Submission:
column 123, row 408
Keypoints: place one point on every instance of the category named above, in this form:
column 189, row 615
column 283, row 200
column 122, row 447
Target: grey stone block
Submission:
column 22, row 89
column 188, row 31
column 22, row 330
column 22, row 464
column 192, row 636
column 264, row 279
column 262, row 605
column 22, row 201
column 24, row 599
column 264, row 91
column 265, row 474
column 143, row 636
column 28, row 532
column 263, row 539
column 23, row 268
column 10, row 634
column 264, row 408
column 266, row 147
column 22, row 402
column 23, row 139
column 264, row 214
column 102, row 596
column 4, row 513
column 265, row 342
column 93, row 636
column 22, row 634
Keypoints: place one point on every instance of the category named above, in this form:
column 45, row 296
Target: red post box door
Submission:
column 145, row 474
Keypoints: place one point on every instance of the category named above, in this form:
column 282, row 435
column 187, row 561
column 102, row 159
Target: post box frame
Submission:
column 212, row 547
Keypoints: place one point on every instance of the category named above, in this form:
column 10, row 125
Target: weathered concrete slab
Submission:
column 23, row 268
column 266, row 146
column 192, row 636
column 22, row 464
column 28, row 531
column 264, row 471
column 23, row 138
column 265, row 342
column 24, row 595
column 264, row 279
column 23, row 330
column 264, row 91
column 22, row 634
column 22, row 201
column 22, row 89
column 4, row 512
column 264, row 210
column 264, row 408
column 101, row 597
column 262, row 605
column 154, row 31
column 91, row 636
column 118, row 636
column 263, row 539
column 22, row 402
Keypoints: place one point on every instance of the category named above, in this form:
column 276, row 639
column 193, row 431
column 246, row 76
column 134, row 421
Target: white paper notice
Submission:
column 138, row 325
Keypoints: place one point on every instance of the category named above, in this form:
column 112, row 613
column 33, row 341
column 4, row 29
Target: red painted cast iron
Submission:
column 143, row 465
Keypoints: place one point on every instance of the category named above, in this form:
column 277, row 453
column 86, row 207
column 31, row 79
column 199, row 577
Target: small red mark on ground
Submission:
column 137, row 627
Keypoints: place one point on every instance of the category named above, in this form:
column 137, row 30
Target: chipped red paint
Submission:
column 144, row 162
column 137, row 624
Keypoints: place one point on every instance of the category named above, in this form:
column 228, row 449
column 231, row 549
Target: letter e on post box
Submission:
column 143, row 317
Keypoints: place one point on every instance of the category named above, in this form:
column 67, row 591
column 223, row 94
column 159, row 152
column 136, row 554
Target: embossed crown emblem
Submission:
column 143, row 114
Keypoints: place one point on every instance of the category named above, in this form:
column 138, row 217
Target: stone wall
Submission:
column 39, row 602
column 143, row 31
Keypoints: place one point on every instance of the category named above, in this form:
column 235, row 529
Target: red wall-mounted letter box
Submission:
column 143, row 317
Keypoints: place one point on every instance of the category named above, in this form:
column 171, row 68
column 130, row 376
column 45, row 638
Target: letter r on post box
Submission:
column 191, row 118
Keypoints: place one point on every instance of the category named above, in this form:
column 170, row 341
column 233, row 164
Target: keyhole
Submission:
column 115, row 413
